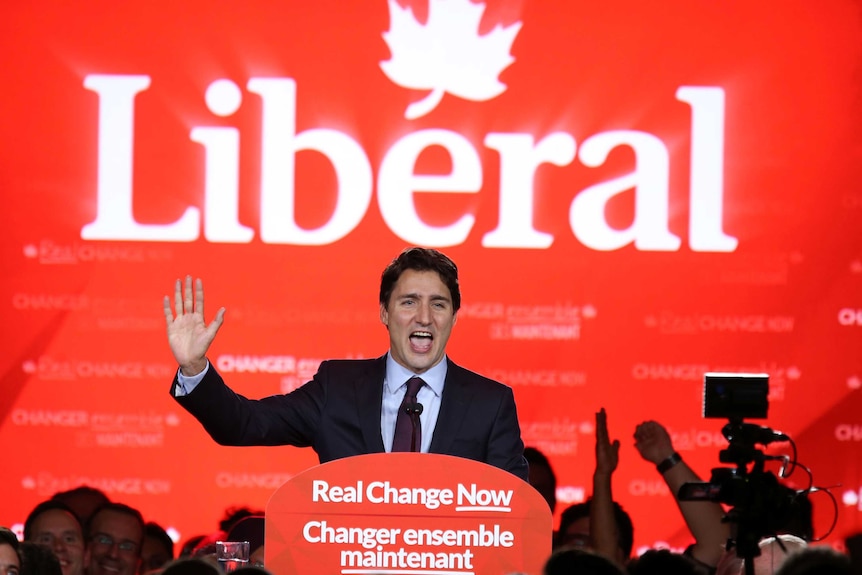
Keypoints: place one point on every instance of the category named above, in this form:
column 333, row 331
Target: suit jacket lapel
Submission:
column 369, row 391
column 453, row 410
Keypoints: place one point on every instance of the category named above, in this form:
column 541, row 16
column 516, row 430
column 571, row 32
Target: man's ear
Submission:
column 384, row 316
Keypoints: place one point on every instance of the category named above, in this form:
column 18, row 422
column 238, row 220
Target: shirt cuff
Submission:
column 187, row 384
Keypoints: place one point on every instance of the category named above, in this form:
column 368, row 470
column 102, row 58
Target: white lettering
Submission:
column 279, row 146
column 397, row 183
column 483, row 497
column 221, row 207
column 706, row 185
column 519, row 158
column 642, row 487
column 114, row 217
column 649, row 230
column 256, row 364
column 321, row 491
column 849, row 316
column 63, row 418
column 847, row 432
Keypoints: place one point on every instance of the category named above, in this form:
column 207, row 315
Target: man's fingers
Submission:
column 199, row 296
column 188, row 301
column 219, row 319
column 178, row 297
column 213, row 327
column 169, row 314
column 601, row 427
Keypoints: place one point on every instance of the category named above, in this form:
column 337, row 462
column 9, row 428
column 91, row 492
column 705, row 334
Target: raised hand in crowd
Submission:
column 703, row 518
column 189, row 335
column 603, row 528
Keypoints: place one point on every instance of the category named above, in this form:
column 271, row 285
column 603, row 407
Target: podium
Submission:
column 406, row 513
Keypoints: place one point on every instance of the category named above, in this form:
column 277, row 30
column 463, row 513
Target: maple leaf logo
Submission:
column 447, row 54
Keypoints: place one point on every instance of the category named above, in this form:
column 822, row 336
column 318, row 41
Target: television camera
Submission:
column 760, row 506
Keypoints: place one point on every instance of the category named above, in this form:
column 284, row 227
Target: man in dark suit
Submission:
column 351, row 407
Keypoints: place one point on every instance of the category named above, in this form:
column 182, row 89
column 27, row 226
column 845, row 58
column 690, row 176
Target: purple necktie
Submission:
column 408, row 437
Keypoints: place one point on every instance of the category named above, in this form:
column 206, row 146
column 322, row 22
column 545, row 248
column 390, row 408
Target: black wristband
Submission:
column 672, row 460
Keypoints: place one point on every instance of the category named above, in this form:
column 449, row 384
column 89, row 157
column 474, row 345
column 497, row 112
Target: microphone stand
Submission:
column 414, row 410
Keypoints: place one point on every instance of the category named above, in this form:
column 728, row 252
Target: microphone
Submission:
column 414, row 410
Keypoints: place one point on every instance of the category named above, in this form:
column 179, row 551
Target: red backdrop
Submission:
column 634, row 194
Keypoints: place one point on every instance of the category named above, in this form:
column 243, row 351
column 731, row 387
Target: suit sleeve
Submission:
column 232, row 419
column 505, row 447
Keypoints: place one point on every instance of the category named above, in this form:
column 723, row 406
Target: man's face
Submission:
column 542, row 481
column 153, row 554
column 60, row 532
column 9, row 562
column 419, row 316
column 115, row 544
column 577, row 533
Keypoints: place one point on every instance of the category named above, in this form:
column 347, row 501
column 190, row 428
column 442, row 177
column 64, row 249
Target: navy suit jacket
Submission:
column 337, row 413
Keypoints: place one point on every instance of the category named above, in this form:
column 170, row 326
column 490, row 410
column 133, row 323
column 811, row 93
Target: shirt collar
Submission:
column 397, row 375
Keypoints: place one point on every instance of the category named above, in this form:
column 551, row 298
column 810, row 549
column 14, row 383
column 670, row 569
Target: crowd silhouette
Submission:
column 83, row 532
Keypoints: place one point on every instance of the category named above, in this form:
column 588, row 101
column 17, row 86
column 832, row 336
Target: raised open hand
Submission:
column 653, row 442
column 188, row 334
column 607, row 451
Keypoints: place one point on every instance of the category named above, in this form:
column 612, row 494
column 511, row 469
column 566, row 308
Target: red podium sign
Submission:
column 407, row 513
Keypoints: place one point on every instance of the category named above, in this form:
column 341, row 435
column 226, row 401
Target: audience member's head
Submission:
column 853, row 544
column 157, row 549
column 773, row 552
column 579, row 561
column 233, row 515
column 38, row 560
column 53, row 524
column 115, row 533
column 10, row 561
column 575, row 528
column 250, row 529
column 191, row 566
column 816, row 561
column 205, row 545
column 800, row 518
column 188, row 548
column 253, row 570
column 83, row 500
column 542, row 476
column 661, row 562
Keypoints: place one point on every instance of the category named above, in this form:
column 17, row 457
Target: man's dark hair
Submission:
column 661, row 561
column 8, row 537
column 83, row 500
column 190, row 566
column 45, row 506
column 821, row 560
column 625, row 528
column 81, row 490
column 421, row 259
column 38, row 560
column 117, row 508
column 800, row 518
column 233, row 515
column 157, row 532
column 535, row 459
column 188, row 548
column 570, row 560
